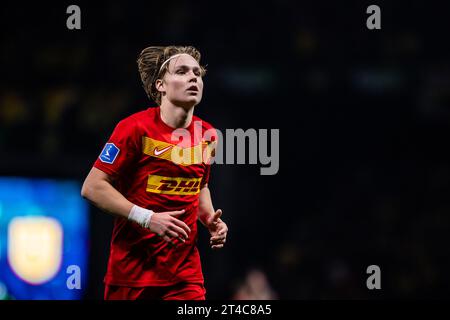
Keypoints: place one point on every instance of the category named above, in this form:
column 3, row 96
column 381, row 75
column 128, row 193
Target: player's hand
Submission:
column 218, row 230
column 167, row 226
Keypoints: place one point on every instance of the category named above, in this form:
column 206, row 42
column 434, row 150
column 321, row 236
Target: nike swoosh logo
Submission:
column 159, row 152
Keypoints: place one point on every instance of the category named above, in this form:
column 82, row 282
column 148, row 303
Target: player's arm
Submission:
column 99, row 190
column 211, row 219
column 206, row 209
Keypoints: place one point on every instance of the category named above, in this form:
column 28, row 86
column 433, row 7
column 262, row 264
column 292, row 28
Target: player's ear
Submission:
column 159, row 85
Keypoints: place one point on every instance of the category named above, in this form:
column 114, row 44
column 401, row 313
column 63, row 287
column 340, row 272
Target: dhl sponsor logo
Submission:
column 202, row 152
column 173, row 185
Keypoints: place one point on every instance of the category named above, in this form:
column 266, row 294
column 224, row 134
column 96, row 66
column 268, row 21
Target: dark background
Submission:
column 364, row 120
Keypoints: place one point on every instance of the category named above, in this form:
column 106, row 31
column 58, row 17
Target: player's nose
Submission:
column 192, row 77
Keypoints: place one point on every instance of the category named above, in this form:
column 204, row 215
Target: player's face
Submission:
column 183, row 83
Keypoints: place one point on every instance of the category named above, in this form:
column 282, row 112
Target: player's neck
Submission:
column 175, row 116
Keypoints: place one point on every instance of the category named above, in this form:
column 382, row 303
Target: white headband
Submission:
column 170, row 58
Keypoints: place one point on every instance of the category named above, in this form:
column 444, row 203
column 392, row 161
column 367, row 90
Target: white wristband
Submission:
column 141, row 216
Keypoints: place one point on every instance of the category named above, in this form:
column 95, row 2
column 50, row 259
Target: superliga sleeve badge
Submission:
column 109, row 153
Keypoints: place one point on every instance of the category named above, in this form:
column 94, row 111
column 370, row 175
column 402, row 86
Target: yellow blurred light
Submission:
column 35, row 248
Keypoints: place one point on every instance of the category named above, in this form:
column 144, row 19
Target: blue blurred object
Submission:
column 43, row 238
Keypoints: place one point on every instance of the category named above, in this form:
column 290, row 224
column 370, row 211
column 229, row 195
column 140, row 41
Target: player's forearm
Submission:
column 104, row 196
column 205, row 209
